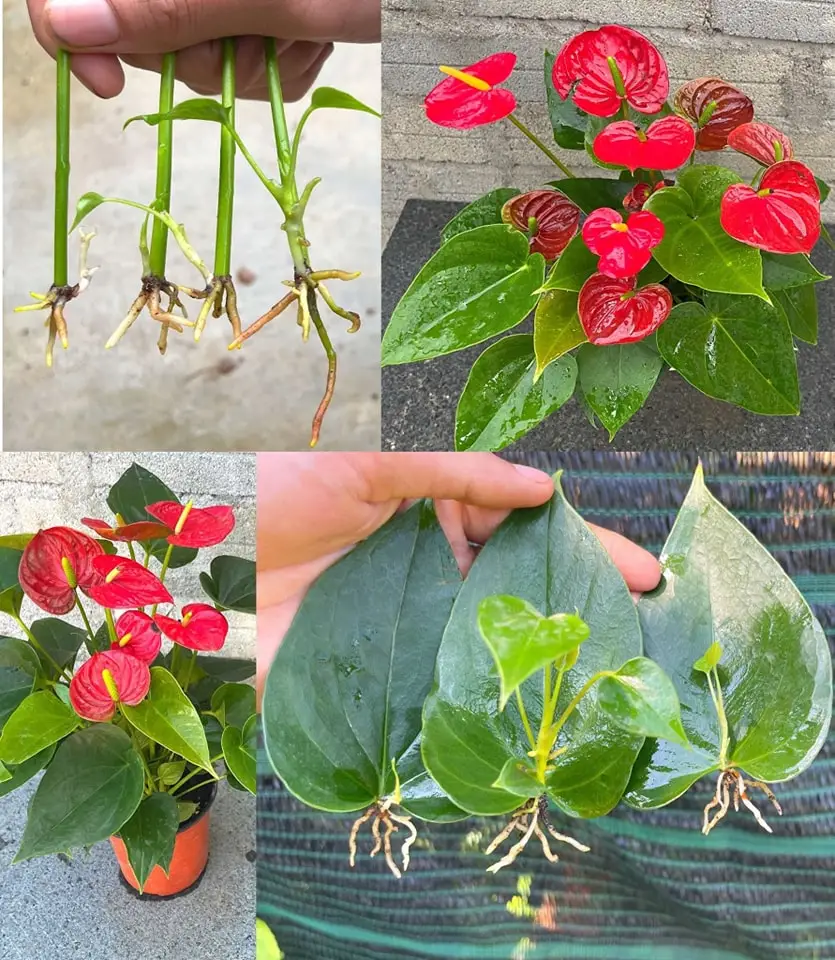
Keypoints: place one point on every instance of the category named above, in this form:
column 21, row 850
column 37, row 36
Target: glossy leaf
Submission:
column 59, row 639
column 90, row 789
column 239, row 754
column 591, row 193
column 333, row 99
column 479, row 213
column 149, row 835
column 568, row 121
column 11, row 593
column 800, row 305
column 575, row 265
column 344, row 693
column 477, row 285
column 19, row 666
column 233, row 704
column 556, row 328
column 737, row 349
column 784, row 271
column 40, row 721
column 502, row 400
column 169, row 718
column 641, row 699
column 230, row 583
column 171, row 772
column 550, row 558
column 709, row 659
column 721, row 585
column 198, row 108
column 616, row 381
column 519, row 777
column 419, row 792
column 24, row 772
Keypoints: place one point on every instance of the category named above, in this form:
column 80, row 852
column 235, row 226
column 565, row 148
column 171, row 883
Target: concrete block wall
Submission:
column 50, row 489
column 780, row 52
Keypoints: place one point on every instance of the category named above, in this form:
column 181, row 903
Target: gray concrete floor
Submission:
column 130, row 397
column 78, row 909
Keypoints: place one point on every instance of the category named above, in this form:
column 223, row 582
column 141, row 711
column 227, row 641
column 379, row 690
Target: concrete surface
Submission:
column 78, row 909
column 781, row 53
column 130, row 397
column 420, row 399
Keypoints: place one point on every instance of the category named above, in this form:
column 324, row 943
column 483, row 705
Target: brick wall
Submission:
column 48, row 489
column 780, row 52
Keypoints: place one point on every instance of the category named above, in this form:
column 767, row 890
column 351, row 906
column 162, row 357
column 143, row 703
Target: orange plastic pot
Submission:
column 191, row 854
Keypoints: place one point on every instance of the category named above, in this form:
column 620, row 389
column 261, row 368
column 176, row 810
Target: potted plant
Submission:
column 130, row 718
column 661, row 265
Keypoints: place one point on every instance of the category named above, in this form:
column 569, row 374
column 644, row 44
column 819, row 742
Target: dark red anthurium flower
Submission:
column 761, row 141
column 123, row 532
column 548, row 215
column 585, row 64
column 624, row 248
column 715, row 107
column 190, row 526
column 55, row 561
column 202, row 627
column 782, row 216
column 613, row 311
column 470, row 97
column 105, row 680
column 640, row 193
column 123, row 583
column 666, row 144
column 138, row 635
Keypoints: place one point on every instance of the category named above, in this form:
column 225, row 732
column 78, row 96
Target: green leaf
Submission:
column 333, row 99
column 519, row 777
column 344, row 693
column 824, row 188
column 591, row 193
column 19, row 666
column 171, row 772
column 556, row 328
column 59, row 639
column 479, row 284
column 233, row 703
column 11, row 593
column 420, row 794
column 24, row 772
column 137, row 489
column 40, row 720
column 615, row 381
column 229, row 669
column 93, row 785
column 479, row 213
column 696, row 249
column 709, row 659
column 230, row 583
column 642, row 700
column 549, row 557
column 149, row 835
column 168, row 717
column 783, row 271
column 800, row 305
column 575, row 265
column 5, row 773
column 568, row 121
column 198, row 108
column 523, row 641
column 239, row 754
column 722, row 586
column 85, row 206
column 502, row 400
column 734, row 348
column 16, row 541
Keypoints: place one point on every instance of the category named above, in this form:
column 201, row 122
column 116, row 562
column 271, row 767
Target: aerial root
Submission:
column 732, row 786
column 220, row 298
column 531, row 820
column 263, row 320
column 384, row 823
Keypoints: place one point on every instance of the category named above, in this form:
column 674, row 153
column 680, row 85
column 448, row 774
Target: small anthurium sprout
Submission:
column 710, row 659
column 642, row 700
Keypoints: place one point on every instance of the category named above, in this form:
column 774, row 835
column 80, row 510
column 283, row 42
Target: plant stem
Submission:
column 111, row 626
column 60, row 276
column 577, row 698
column 189, row 670
column 166, row 560
column 525, row 722
column 91, row 647
column 282, row 136
column 193, row 773
column 226, row 184
column 61, row 671
column 165, row 144
column 719, row 703
column 537, row 142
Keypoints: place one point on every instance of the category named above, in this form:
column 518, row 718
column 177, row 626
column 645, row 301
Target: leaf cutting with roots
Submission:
column 732, row 785
column 531, row 820
column 384, row 823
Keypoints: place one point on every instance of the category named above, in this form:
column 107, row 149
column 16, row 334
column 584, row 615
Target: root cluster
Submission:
column 384, row 823
column 531, row 820
column 220, row 298
column 150, row 296
column 731, row 785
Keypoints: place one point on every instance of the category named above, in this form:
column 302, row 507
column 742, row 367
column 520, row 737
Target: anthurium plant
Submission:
column 670, row 261
column 129, row 717
column 539, row 684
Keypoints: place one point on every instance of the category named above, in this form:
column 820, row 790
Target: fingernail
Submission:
column 83, row 23
column 531, row 473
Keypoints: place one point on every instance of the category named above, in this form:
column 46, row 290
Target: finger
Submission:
column 638, row 567
column 450, row 517
column 101, row 73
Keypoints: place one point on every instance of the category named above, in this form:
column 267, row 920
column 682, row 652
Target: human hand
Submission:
column 102, row 33
column 313, row 508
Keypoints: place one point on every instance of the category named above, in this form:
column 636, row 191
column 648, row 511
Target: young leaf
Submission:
column 230, row 583
column 149, row 835
column 171, row 772
column 641, row 698
column 19, row 666
column 519, row 777
column 198, row 108
column 487, row 209
column 522, row 641
column 334, row 99
column 40, row 720
column 556, row 328
column 709, row 659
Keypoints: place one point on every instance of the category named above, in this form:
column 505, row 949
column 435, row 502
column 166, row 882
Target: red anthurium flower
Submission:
column 762, row 142
column 623, row 248
column 640, row 193
column 782, row 216
column 613, row 311
column 469, row 97
column 191, row 526
column 105, row 680
column 138, row 635
column 123, row 583
column 587, row 60
column 54, row 562
column 548, row 215
column 666, row 144
column 716, row 107
column 143, row 530
column 202, row 627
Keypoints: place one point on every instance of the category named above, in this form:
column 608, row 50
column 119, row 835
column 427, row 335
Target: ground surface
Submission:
column 130, row 397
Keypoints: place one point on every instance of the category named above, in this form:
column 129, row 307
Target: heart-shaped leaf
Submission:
column 198, row 108
column 19, row 666
column 233, row 704
column 556, row 328
column 503, row 399
column 333, row 99
column 737, row 349
column 344, row 693
column 568, row 121
column 548, row 557
column 150, row 834
column 239, row 749
column 480, row 283
column 40, row 721
column 784, row 271
column 479, row 213
column 800, row 305
column 230, row 583
column 709, row 659
column 775, row 668
column 641, row 698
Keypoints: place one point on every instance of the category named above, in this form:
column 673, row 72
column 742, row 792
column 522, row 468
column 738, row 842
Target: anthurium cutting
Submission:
column 553, row 690
column 670, row 262
column 130, row 736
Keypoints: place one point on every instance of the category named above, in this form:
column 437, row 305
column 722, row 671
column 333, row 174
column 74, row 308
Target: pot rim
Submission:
column 197, row 817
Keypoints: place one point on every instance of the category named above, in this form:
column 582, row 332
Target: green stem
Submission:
column 719, row 703
column 525, row 722
column 166, row 560
column 60, row 276
column 189, row 670
column 61, row 671
column 576, row 699
column 194, row 772
column 537, row 142
column 282, row 136
column 226, row 184
column 165, row 144
column 620, row 87
column 111, row 626
column 91, row 646
column 131, row 551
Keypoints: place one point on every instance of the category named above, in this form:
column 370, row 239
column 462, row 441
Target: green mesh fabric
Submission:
column 652, row 887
